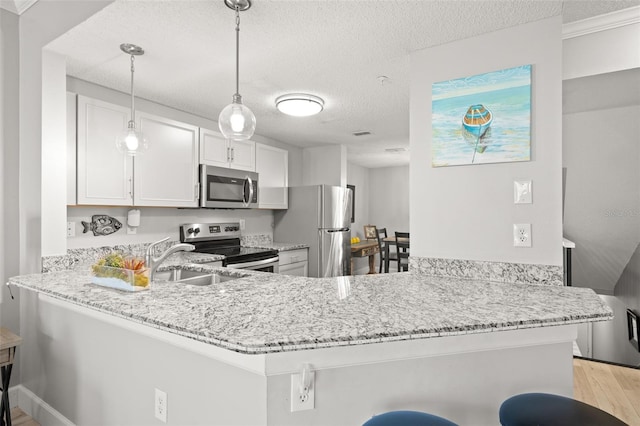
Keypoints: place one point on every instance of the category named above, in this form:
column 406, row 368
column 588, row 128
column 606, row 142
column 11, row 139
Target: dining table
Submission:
column 391, row 241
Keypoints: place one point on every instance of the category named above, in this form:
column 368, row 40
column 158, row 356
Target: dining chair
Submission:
column 383, row 246
column 402, row 251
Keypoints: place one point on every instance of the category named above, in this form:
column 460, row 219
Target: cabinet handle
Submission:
column 131, row 188
column 228, row 155
column 233, row 152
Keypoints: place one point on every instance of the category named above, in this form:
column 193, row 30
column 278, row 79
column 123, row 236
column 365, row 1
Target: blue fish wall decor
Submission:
column 101, row 224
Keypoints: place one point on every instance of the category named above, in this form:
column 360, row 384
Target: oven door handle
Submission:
column 254, row 263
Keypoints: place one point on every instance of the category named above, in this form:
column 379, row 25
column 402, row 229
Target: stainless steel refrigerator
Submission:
column 319, row 216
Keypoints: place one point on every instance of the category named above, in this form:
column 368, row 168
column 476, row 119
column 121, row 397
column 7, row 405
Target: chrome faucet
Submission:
column 153, row 262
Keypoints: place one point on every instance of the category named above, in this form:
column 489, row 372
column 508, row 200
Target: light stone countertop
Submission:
column 278, row 246
column 264, row 313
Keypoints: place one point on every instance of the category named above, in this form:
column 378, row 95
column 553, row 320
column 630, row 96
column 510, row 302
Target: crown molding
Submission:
column 17, row 6
column 599, row 23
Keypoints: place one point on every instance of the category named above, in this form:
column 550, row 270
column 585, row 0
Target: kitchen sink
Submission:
column 196, row 278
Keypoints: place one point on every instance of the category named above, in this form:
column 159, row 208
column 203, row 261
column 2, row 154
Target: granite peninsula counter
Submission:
column 263, row 313
column 476, row 339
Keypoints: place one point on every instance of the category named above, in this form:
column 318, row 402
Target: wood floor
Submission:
column 611, row 388
column 20, row 418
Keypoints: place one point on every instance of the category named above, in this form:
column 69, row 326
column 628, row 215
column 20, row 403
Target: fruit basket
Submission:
column 120, row 272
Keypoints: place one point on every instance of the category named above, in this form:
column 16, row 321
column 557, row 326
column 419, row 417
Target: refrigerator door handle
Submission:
column 339, row 230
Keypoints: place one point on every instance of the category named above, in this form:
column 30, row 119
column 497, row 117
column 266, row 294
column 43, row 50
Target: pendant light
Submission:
column 131, row 141
column 236, row 121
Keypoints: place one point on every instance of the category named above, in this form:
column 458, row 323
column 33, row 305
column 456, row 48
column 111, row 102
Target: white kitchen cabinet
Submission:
column 272, row 165
column 215, row 150
column 294, row 262
column 167, row 173
column 104, row 175
column 72, row 198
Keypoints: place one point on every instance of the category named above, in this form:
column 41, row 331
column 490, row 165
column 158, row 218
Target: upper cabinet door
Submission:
column 72, row 198
column 167, row 173
column 243, row 155
column 272, row 165
column 215, row 150
column 105, row 175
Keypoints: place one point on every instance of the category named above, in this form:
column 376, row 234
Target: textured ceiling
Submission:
column 333, row 49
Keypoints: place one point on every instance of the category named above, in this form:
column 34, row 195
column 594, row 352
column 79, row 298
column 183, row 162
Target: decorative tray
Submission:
column 120, row 278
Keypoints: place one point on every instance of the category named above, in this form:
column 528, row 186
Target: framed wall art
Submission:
column 484, row 118
column 370, row 232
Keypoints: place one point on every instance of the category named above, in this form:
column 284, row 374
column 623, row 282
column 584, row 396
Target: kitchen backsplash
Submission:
column 84, row 257
column 518, row 273
column 157, row 223
column 256, row 240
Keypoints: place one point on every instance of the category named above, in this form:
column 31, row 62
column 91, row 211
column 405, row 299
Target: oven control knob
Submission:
column 236, row 228
column 196, row 231
column 190, row 231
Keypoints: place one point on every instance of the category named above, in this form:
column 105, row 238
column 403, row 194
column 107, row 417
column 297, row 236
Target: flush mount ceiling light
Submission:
column 236, row 121
column 131, row 141
column 299, row 104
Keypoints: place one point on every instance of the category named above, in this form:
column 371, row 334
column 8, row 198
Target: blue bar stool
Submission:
column 545, row 409
column 407, row 418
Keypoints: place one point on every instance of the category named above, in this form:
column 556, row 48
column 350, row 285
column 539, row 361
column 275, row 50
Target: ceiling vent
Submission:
column 395, row 149
column 361, row 133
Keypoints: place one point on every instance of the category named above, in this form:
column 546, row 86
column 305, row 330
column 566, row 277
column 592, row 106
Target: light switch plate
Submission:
column 522, row 192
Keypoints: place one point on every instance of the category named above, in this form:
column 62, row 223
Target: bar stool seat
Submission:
column 407, row 418
column 530, row 409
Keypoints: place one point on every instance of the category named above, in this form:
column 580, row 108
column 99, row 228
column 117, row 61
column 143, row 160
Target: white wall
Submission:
column 54, row 149
column 602, row 156
column 359, row 176
column 468, row 212
column 389, row 198
column 324, row 165
column 9, row 133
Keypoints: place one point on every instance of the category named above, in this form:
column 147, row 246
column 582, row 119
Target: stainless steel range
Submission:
column 224, row 239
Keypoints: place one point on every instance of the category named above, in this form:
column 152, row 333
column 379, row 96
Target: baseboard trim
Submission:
column 37, row 408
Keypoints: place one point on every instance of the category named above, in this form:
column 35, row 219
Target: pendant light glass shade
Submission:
column 132, row 141
column 236, row 121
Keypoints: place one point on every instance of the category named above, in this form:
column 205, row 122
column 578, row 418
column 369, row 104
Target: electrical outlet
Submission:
column 302, row 401
column 71, row 229
column 161, row 405
column 242, row 223
column 522, row 235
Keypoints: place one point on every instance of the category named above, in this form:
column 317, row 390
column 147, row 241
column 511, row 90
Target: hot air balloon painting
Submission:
column 485, row 118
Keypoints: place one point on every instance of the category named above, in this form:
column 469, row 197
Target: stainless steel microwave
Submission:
column 228, row 188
